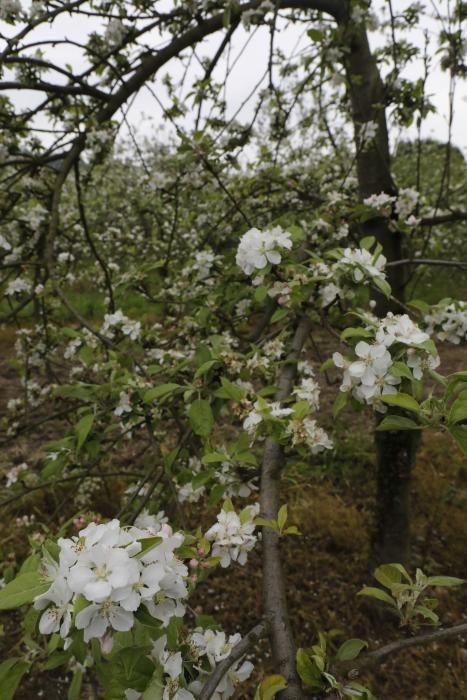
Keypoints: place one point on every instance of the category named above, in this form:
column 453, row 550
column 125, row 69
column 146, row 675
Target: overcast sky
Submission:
column 144, row 114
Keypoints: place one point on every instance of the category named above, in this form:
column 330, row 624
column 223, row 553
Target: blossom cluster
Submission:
column 13, row 474
column 372, row 374
column 262, row 410
column 205, row 649
column 307, row 431
column 233, row 535
column 224, row 475
column 292, row 424
column 215, row 647
column 355, row 265
column 118, row 321
column 9, row 8
column 18, row 286
column 405, row 204
column 259, row 248
column 368, row 376
column 109, row 571
column 447, row 321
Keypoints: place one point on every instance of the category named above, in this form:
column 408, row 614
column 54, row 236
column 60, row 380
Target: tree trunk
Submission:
column 396, row 450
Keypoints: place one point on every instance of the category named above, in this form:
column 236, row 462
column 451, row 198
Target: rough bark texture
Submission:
column 396, row 451
column 274, row 587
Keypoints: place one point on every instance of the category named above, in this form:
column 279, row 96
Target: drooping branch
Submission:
column 236, row 654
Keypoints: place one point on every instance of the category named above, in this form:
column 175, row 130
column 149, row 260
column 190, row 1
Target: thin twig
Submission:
column 398, row 645
column 427, row 261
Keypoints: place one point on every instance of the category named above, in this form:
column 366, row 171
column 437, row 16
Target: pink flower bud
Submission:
column 201, row 552
column 194, row 563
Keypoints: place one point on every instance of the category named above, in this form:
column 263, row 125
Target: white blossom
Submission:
column 447, row 321
column 9, row 8
column 307, row 431
column 258, row 248
column 18, row 286
column 395, row 328
column 12, row 475
column 233, row 535
column 106, row 566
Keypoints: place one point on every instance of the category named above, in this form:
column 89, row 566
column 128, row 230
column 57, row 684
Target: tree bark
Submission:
column 274, row 585
column 396, row 451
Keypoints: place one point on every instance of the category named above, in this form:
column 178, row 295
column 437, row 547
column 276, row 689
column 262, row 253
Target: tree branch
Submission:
column 223, row 667
column 274, row 590
column 398, row 645
column 427, row 261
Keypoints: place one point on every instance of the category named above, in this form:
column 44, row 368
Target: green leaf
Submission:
column 383, row 286
column 420, row 306
column 158, row 392
column 229, row 390
column 11, row 672
column 213, row 457
column 270, row 686
column 82, row 430
column 74, row 690
column 262, row 522
column 291, row 530
column 129, row 668
column 282, row 517
column 261, row 294
column 427, row 613
column 400, row 369
column 279, row 315
column 308, row 671
column 459, row 433
column 205, row 367
column 339, row 403
column 367, row 242
column 378, row 594
column 455, row 382
column 327, row 364
column 216, row 494
column 401, row 401
column 202, row 478
column 30, row 564
column 445, row 581
column 387, row 575
column 393, row 422
column 155, row 689
column 147, row 543
column 23, row 589
column 458, row 411
column 355, row 333
column 83, row 392
column 201, row 417
column 315, row 34
column 349, row 650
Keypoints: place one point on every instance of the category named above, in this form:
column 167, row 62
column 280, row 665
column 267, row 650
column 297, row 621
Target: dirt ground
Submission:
column 325, row 567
